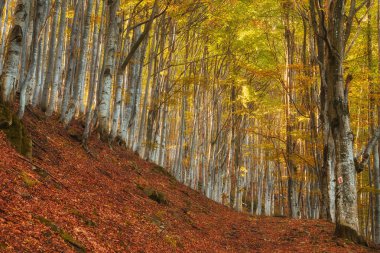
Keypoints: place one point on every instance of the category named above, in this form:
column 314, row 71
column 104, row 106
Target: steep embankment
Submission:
column 66, row 200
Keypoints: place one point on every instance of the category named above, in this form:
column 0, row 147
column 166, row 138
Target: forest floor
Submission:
column 67, row 200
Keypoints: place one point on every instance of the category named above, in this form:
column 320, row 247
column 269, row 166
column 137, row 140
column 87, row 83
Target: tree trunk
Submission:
column 5, row 27
column 58, row 60
column 143, row 118
column 70, row 64
column 326, row 175
column 51, row 58
column 94, row 76
column 347, row 224
column 294, row 209
column 376, row 238
column 26, row 85
column 81, row 75
column 108, row 71
column 16, row 40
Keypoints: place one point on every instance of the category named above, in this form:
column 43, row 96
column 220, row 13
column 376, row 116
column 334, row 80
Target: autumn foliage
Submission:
column 65, row 199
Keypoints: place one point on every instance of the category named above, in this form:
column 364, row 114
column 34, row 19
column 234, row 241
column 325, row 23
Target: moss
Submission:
column 156, row 220
column 350, row 234
column 48, row 223
column 160, row 214
column 28, row 180
column 3, row 246
column 41, row 172
column 157, row 196
column 171, row 240
column 74, row 135
column 105, row 173
column 153, row 194
column 5, row 117
column 127, row 223
column 70, row 240
column 163, row 171
column 95, row 212
column 88, row 222
column 63, row 234
column 174, row 241
column 15, row 131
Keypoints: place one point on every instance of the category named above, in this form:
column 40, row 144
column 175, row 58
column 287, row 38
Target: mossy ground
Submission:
column 83, row 218
column 153, row 194
column 28, row 180
column 15, row 131
column 63, row 234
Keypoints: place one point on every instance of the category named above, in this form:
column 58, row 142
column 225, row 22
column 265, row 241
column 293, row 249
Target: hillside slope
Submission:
column 66, row 200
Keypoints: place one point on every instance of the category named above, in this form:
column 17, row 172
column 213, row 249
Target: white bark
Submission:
column 110, row 50
column 268, row 190
column 117, row 106
column 70, row 61
column 5, row 27
column 80, row 78
column 94, row 70
column 58, row 60
column 40, row 69
column 14, row 50
column 26, row 85
column 260, row 180
column 51, row 58
column 143, row 118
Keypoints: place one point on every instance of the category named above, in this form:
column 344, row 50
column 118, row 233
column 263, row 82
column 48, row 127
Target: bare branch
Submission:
column 366, row 153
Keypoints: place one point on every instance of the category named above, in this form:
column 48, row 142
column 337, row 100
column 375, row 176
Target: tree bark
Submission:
column 58, row 60
column 81, row 75
column 16, row 40
column 70, row 64
column 51, row 58
column 108, row 71
column 26, row 85
column 347, row 224
column 94, row 77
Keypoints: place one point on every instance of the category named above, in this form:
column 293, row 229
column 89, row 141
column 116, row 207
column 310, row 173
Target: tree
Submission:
column 12, row 58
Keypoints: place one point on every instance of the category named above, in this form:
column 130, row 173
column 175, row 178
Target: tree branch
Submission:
column 146, row 21
column 140, row 39
column 366, row 153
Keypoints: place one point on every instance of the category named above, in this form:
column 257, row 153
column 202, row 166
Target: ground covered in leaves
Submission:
column 65, row 199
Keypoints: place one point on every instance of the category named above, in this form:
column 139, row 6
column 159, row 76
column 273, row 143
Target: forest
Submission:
column 271, row 108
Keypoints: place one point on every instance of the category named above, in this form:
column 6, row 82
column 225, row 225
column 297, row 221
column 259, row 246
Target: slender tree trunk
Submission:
column 108, row 71
column 26, row 85
column 326, row 175
column 5, row 27
column 268, row 189
column 143, row 118
column 294, row 209
column 27, row 33
column 81, row 75
column 376, row 160
column 372, row 114
column 260, row 183
column 70, row 64
column 51, row 58
column 94, row 77
column 2, row 5
column 58, row 60
column 154, row 101
column 136, row 108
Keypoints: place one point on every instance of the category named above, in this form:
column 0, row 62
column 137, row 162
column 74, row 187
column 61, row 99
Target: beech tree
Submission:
column 266, row 107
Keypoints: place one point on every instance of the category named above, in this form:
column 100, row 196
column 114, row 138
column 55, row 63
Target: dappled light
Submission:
column 189, row 126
